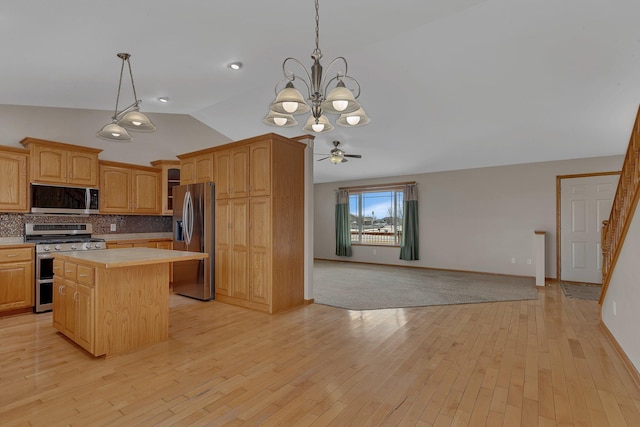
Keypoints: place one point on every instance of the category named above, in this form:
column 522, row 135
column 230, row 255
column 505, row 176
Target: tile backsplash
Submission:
column 12, row 225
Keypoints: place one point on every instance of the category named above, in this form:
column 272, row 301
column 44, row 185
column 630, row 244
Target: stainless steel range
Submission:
column 50, row 239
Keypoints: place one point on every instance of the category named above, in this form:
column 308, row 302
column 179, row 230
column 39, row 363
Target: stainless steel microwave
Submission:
column 64, row 200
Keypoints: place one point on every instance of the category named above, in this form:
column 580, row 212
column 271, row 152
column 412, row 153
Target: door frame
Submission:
column 559, row 179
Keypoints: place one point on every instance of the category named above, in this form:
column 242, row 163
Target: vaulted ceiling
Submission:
column 449, row 84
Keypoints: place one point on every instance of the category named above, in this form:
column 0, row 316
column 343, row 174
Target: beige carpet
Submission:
column 356, row 286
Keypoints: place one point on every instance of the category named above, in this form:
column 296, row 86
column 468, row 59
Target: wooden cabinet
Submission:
column 59, row 163
column 170, row 177
column 74, row 302
column 159, row 243
column 260, row 169
column 116, row 302
column 16, row 278
column 232, row 248
column 196, row 167
column 260, row 249
column 129, row 189
column 14, row 185
column 260, row 237
column 232, row 172
column 144, row 243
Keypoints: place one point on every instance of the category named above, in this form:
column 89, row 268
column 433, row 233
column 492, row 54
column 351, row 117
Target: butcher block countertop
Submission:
column 128, row 257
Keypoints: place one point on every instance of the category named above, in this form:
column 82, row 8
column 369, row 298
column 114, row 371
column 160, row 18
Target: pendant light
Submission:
column 128, row 119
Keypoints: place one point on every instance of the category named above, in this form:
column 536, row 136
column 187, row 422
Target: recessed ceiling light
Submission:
column 163, row 99
column 235, row 65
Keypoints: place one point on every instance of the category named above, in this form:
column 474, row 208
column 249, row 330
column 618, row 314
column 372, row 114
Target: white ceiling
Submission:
column 449, row 84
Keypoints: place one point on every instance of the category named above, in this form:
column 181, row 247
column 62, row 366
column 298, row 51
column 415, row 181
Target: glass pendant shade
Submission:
column 281, row 120
column 114, row 132
column 340, row 101
column 289, row 101
column 135, row 120
column 322, row 126
column 335, row 159
column 129, row 118
column 357, row 118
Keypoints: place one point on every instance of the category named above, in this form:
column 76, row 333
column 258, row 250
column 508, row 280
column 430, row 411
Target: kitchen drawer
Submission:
column 58, row 268
column 70, row 271
column 17, row 254
column 86, row 275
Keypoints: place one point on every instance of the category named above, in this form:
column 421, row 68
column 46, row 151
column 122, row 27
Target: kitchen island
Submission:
column 114, row 300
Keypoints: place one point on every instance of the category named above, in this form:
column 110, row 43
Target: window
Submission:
column 376, row 215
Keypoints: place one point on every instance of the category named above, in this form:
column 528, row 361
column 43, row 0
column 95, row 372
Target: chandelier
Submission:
column 130, row 118
column 339, row 100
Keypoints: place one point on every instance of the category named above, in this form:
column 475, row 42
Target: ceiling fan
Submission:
column 337, row 155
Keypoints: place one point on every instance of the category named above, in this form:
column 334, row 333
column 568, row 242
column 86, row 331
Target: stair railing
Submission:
column 614, row 230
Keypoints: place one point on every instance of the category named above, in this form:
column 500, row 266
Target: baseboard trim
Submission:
column 429, row 268
column 16, row 311
column 627, row 362
column 309, row 301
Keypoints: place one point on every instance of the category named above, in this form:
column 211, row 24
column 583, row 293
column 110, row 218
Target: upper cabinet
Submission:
column 13, row 179
column 59, row 163
column 232, row 172
column 129, row 189
column 196, row 167
column 170, row 177
column 260, row 169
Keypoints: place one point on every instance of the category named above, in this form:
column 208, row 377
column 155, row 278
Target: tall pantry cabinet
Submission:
column 259, row 256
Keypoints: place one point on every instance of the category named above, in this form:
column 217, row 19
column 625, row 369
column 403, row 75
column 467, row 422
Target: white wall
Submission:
column 471, row 220
column 175, row 134
column 624, row 292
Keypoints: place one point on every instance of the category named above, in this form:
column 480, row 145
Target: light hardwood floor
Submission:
column 542, row 362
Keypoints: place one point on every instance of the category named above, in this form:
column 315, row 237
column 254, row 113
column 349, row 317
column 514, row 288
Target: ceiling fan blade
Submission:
column 355, row 156
column 344, row 160
column 324, row 158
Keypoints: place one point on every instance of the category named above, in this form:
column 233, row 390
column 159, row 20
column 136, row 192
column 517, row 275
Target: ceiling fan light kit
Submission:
column 339, row 100
column 337, row 155
column 129, row 118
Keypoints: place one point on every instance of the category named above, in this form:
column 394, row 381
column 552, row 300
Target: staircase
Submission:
column 615, row 229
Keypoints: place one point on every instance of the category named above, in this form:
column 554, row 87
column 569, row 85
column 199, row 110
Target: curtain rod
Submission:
column 375, row 187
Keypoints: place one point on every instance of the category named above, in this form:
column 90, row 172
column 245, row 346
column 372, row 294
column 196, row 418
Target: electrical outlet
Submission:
column 113, row 227
column 513, row 260
column 528, row 260
column 374, row 251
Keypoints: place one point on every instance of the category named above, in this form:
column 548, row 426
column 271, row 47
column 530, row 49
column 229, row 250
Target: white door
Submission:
column 584, row 203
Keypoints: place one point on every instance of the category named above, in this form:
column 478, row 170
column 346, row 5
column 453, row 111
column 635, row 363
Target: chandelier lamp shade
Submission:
column 330, row 93
column 128, row 119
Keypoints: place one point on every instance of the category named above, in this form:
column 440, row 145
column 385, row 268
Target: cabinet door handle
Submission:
column 68, row 271
column 84, row 275
column 61, row 289
column 12, row 255
column 74, row 296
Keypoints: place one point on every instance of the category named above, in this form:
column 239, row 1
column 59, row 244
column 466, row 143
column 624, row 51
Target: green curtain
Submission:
column 409, row 245
column 343, row 228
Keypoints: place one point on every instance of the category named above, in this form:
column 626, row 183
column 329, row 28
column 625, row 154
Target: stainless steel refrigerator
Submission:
column 194, row 231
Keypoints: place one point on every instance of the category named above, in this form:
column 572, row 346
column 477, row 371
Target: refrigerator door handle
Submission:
column 189, row 217
column 185, row 221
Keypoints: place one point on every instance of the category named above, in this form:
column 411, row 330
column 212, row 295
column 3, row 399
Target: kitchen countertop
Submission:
column 127, row 257
column 6, row 242
column 134, row 236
